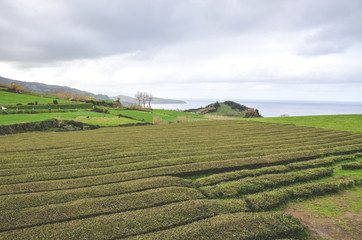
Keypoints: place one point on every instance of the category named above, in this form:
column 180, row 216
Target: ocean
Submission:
column 277, row 108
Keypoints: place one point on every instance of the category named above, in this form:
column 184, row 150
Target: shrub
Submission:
column 135, row 106
column 36, row 199
column 157, row 120
column 352, row 166
column 252, row 113
column 129, row 223
column 100, row 110
column 228, row 176
column 257, row 184
column 100, row 103
column 38, row 126
column 94, row 206
column 271, row 199
column 16, row 87
column 270, row 225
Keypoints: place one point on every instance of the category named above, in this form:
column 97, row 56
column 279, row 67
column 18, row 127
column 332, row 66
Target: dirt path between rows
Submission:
column 343, row 225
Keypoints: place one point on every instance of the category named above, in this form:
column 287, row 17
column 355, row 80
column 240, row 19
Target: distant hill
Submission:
column 227, row 108
column 45, row 88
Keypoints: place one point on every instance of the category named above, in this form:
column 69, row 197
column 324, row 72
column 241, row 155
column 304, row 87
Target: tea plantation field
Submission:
column 194, row 180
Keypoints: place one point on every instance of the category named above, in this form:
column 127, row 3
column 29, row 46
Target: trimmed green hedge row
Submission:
column 268, row 200
column 179, row 170
column 102, row 159
column 261, row 183
column 89, row 207
column 34, row 111
column 39, row 126
column 194, row 159
column 320, row 162
column 52, row 106
column 124, row 224
column 95, row 145
column 211, row 150
column 260, row 226
column 229, row 176
column 36, row 199
column 86, row 157
column 352, row 166
column 167, row 167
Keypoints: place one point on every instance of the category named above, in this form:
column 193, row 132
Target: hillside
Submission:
column 46, row 88
column 228, row 109
column 31, row 111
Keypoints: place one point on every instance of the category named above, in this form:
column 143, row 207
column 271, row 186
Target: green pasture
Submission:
column 165, row 115
column 9, row 98
column 71, row 106
column 89, row 117
column 101, row 119
column 352, row 123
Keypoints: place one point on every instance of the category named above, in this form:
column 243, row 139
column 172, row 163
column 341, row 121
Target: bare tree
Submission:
column 149, row 98
column 139, row 96
column 144, row 99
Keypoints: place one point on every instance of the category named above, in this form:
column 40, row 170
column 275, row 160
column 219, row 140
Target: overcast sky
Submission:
column 230, row 49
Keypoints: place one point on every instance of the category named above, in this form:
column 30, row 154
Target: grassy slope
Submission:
column 8, row 98
column 352, row 123
column 96, row 118
column 166, row 115
column 100, row 119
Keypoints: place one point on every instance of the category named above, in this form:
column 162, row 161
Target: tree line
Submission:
column 143, row 98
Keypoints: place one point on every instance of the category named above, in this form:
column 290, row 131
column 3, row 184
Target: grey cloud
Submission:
column 80, row 29
column 338, row 30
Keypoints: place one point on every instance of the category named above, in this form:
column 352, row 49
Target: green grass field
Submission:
column 165, row 115
column 8, row 98
column 195, row 180
column 69, row 110
column 102, row 119
column 95, row 118
column 352, row 123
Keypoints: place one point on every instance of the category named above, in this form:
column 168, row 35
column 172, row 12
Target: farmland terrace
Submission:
column 196, row 180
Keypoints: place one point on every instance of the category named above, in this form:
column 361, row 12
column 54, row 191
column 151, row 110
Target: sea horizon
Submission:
column 276, row 108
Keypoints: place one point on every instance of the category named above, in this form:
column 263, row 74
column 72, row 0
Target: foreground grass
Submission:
column 332, row 216
column 352, row 123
